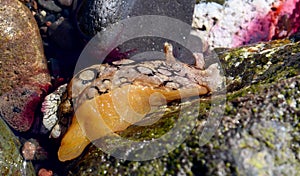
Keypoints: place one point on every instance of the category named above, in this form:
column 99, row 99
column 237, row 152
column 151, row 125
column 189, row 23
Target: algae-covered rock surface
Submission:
column 11, row 161
column 258, row 133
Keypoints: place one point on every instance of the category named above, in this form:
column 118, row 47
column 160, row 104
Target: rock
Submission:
column 93, row 17
column 45, row 172
column 24, row 77
column 64, row 35
column 12, row 162
column 49, row 5
column 66, row 2
column 258, row 134
column 32, row 150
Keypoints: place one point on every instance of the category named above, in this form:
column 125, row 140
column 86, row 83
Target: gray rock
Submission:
column 49, row 5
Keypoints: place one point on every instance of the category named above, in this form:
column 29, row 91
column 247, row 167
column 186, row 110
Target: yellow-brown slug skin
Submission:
column 108, row 98
column 73, row 143
column 103, row 115
column 108, row 113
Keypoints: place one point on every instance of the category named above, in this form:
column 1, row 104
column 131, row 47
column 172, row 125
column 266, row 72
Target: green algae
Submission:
column 11, row 161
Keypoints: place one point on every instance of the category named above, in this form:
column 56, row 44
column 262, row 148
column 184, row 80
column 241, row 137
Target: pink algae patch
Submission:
column 281, row 21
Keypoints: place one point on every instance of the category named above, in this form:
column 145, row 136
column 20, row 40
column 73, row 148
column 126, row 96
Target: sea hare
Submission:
column 24, row 78
column 109, row 98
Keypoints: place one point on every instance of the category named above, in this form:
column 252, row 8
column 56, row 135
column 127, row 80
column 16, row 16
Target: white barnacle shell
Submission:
column 55, row 132
column 50, row 106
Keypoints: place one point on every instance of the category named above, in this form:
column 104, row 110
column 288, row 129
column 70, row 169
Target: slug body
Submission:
column 110, row 98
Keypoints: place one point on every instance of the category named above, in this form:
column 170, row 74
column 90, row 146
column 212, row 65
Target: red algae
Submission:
column 240, row 22
column 280, row 22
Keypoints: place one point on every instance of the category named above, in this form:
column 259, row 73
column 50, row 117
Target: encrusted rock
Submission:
column 24, row 78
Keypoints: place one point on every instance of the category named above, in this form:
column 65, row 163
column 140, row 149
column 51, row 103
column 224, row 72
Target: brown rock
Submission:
column 24, row 77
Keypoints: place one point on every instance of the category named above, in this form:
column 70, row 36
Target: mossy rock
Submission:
column 260, row 123
column 11, row 161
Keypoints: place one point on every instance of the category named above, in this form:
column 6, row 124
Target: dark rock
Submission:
column 24, row 77
column 93, row 17
column 49, row 5
column 50, row 18
column 63, row 35
column 12, row 162
column 40, row 19
column 66, row 2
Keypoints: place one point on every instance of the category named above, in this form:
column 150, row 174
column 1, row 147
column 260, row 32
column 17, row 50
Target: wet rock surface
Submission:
column 12, row 163
column 258, row 134
column 96, row 15
column 24, row 77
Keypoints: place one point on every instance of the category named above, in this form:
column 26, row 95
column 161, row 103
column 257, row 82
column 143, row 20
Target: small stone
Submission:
column 28, row 150
column 43, row 13
column 51, row 18
column 45, row 172
column 48, row 23
column 65, row 2
column 34, row 5
column 49, row 5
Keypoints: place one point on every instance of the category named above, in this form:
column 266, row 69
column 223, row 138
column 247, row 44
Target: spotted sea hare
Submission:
column 260, row 123
column 109, row 98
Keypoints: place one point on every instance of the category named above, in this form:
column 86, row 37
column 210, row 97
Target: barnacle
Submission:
column 110, row 98
column 49, row 109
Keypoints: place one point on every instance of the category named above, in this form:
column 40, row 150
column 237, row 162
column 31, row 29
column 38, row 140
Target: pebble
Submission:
column 49, row 5
column 43, row 13
column 32, row 150
column 28, row 150
column 24, row 77
column 45, row 172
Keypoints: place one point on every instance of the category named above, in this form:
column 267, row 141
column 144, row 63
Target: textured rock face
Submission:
column 11, row 162
column 258, row 134
column 95, row 15
column 24, row 77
